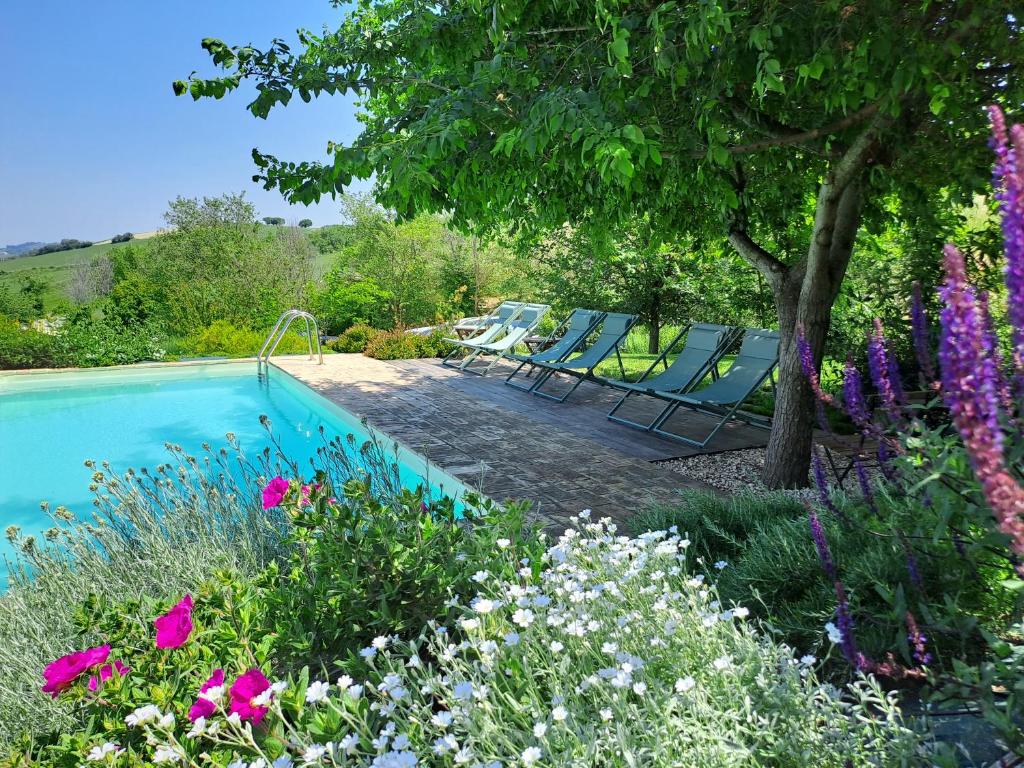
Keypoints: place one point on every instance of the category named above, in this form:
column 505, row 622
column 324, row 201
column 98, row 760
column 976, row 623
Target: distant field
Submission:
column 54, row 268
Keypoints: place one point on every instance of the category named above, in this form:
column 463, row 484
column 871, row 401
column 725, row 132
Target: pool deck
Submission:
column 564, row 457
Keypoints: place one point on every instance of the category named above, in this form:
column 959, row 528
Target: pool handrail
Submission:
column 278, row 332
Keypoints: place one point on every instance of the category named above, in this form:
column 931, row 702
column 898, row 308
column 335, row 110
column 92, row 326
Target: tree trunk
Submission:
column 804, row 295
column 654, row 327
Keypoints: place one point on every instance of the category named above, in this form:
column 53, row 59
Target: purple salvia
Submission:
column 912, row 569
column 1009, row 191
column 821, row 544
column 918, row 642
column 811, row 374
column 844, row 623
column 853, row 398
column 885, row 461
column 824, row 493
column 922, row 337
column 865, row 485
column 970, row 384
column 882, row 367
column 993, row 348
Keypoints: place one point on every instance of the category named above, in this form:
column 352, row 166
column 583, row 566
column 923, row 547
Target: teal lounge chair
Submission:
column 757, row 359
column 494, row 326
column 614, row 329
column 575, row 330
column 704, row 347
column 515, row 333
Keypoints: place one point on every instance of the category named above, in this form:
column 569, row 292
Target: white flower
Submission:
column 606, row 714
column 722, row 662
column 284, row 761
column 469, row 624
column 344, row 682
column 807, row 660
column 143, row 715
column 463, row 691
column 214, row 694
column 355, row 691
column 481, row 576
column 369, row 652
column 237, row 764
column 512, row 638
column 442, row 719
column 167, row 754
column 559, row 714
column 539, row 729
column 314, row 753
column 721, row 564
column 684, row 684
column 463, row 756
column 317, row 692
column 234, row 719
column 833, row 633
column 380, row 642
column 198, row 728
column 259, row 762
column 446, row 743
column 530, row 755
column 556, row 646
column 503, row 543
column 640, row 688
column 349, row 743
column 483, row 605
column 741, row 612
column 99, row 754
column 279, row 686
column 523, row 617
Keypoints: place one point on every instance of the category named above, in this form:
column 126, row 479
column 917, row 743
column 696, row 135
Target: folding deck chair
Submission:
column 577, row 327
column 493, row 326
column 515, row 333
column 758, row 358
column 704, row 347
column 613, row 330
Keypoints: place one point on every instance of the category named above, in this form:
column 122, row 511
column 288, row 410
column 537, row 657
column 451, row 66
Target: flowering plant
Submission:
column 618, row 655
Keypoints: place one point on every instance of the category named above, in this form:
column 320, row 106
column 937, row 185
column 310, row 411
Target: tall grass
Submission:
column 636, row 341
column 153, row 534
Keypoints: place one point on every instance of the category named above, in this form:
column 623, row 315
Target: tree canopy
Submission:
column 779, row 126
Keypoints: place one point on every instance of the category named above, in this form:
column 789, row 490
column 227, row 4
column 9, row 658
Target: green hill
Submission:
column 53, row 268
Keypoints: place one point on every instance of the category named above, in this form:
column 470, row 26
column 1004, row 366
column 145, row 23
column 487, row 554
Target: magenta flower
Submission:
column 62, row 673
column 204, row 706
column 175, row 626
column 884, row 371
column 921, row 334
column 853, row 398
column 811, row 374
column 821, row 544
column 107, row 672
column 248, row 696
column 274, row 492
column 1009, row 191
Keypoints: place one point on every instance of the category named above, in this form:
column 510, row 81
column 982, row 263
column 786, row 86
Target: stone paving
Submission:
column 510, row 444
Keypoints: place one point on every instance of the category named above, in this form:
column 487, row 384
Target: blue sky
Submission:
column 94, row 142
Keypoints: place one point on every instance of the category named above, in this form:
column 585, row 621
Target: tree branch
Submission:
column 764, row 262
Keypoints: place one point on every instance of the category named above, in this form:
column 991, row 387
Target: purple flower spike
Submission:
column 970, row 382
column 853, row 398
column 844, row 623
column 824, row 492
column 885, row 461
column 821, row 544
column 865, row 485
column 1009, row 191
column 811, row 373
column 883, row 370
column 921, row 334
column 918, row 642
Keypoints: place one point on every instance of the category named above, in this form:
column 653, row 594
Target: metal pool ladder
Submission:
column 280, row 329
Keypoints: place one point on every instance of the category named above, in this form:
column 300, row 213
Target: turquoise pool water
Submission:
column 50, row 423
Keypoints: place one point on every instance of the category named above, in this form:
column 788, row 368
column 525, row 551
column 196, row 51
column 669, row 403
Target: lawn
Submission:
column 53, row 268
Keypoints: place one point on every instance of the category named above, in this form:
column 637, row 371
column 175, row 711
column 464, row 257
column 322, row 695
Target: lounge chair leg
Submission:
column 629, row 422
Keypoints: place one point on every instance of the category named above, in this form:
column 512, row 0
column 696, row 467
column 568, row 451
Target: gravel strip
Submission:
column 736, row 471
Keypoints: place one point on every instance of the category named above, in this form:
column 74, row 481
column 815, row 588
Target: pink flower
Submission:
column 244, row 693
column 174, row 627
column 107, row 672
column 205, row 707
column 274, row 492
column 60, row 674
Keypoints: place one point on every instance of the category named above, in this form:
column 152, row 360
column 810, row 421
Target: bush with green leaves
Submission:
column 26, row 348
column 222, row 339
column 354, row 339
column 402, row 345
column 86, row 342
column 339, row 303
column 601, row 651
column 360, row 566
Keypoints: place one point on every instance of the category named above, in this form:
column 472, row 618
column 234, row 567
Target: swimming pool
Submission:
column 50, row 423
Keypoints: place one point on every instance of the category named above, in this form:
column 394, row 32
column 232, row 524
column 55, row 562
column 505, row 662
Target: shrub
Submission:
column 354, row 339
column 402, row 345
column 341, row 303
column 361, row 566
column 222, row 339
column 608, row 653
column 750, row 534
column 86, row 342
column 140, row 548
column 122, row 238
column 26, row 348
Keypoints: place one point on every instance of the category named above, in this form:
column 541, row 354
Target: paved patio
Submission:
column 564, row 457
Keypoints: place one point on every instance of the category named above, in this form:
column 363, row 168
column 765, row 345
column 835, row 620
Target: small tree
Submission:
column 306, row 223
column 273, row 221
